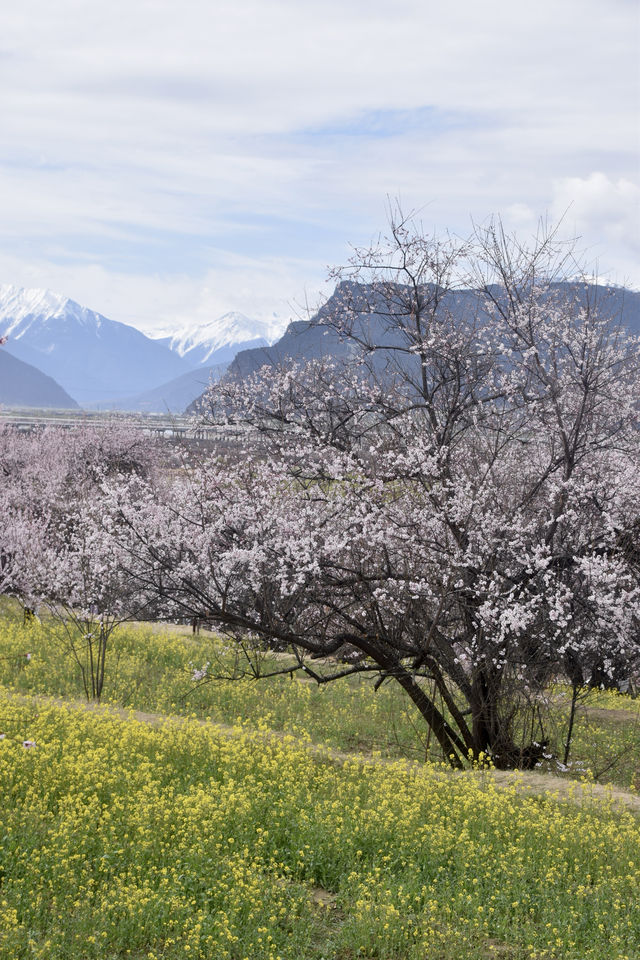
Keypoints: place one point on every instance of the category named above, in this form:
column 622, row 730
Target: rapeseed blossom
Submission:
column 177, row 841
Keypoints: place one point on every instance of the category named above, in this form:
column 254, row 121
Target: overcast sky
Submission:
column 164, row 162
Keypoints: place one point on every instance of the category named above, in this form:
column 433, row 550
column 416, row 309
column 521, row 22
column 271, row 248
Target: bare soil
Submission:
column 603, row 713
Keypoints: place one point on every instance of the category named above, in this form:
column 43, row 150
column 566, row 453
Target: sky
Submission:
column 164, row 163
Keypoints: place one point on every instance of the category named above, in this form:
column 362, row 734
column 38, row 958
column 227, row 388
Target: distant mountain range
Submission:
column 218, row 341
column 312, row 339
column 101, row 363
column 60, row 354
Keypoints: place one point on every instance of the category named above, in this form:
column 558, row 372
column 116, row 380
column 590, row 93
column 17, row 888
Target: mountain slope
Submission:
column 174, row 396
column 310, row 339
column 22, row 385
column 95, row 359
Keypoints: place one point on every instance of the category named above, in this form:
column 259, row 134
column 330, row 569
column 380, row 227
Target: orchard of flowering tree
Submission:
column 452, row 505
column 57, row 543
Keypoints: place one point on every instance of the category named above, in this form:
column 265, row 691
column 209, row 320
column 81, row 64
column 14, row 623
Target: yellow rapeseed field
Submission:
column 120, row 839
column 153, row 671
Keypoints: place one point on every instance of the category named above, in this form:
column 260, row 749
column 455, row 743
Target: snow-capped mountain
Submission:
column 21, row 308
column 218, row 341
column 96, row 360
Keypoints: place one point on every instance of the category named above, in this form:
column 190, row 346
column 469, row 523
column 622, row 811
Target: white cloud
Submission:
column 160, row 305
column 605, row 214
column 232, row 133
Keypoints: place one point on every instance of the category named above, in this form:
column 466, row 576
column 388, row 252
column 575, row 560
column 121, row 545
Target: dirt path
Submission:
column 603, row 713
column 528, row 783
column 584, row 710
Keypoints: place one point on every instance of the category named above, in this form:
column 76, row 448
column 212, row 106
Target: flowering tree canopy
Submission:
column 451, row 505
column 454, row 507
column 57, row 543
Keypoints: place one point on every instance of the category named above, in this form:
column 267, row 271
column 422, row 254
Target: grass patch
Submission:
column 152, row 670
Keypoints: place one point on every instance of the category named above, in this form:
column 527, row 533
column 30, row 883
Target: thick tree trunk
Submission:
column 453, row 747
column 493, row 732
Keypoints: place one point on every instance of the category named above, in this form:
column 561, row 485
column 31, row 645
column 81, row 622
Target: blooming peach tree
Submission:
column 449, row 504
column 452, row 508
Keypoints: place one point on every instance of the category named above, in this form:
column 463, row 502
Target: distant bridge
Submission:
column 161, row 426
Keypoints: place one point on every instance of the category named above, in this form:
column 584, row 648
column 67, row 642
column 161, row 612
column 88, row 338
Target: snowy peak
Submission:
column 99, row 361
column 20, row 309
column 219, row 340
column 20, row 302
column 93, row 358
column 231, row 328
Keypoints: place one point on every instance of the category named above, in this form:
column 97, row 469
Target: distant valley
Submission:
column 85, row 359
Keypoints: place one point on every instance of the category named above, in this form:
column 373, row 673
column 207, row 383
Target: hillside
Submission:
column 22, row 385
column 311, row 339
column 174, row 396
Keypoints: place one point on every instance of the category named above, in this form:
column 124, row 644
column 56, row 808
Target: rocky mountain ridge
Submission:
column 315, row 338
